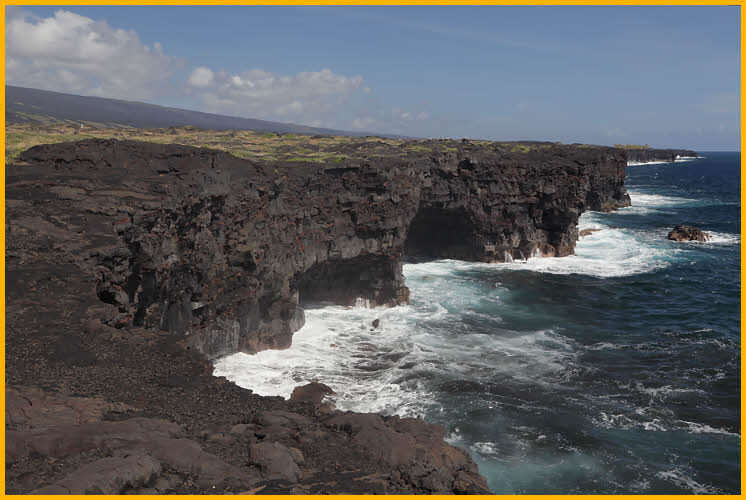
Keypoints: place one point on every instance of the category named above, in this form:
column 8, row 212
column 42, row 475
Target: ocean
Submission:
column 616, row 370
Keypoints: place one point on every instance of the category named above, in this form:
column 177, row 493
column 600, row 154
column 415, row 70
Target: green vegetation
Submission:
column 262, row 147
column 310, row 160
column 520, row 148
column 632, row 146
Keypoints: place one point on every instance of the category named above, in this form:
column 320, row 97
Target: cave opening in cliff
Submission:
column 439, row 233
column 371, row 278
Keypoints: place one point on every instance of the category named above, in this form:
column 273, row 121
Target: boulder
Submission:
column 587, row 232
column 314, row 392
column 276, row 460
column 413, row 446
column 108, row 476
column 29, row 408
column 687, row 233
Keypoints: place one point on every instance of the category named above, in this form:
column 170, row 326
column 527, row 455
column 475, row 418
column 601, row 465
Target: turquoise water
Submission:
column 616, row 370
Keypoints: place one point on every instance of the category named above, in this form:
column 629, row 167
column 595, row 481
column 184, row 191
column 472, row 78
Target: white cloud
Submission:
column 305, row 97
column 394, row 120
column 67, row 52
column 402, row 115
column 73, row 53
column 201, row 77
column 364, row 122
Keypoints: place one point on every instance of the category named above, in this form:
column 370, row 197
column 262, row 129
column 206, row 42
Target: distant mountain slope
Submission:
column 25, row 105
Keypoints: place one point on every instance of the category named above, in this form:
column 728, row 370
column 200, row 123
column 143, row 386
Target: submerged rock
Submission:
column 687, row 233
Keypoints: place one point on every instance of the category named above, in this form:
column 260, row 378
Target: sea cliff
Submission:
column 129, row 265
column 648, row 155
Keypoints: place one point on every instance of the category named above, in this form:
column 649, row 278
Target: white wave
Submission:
column 608, row 253
column 696, row 428
column 657, row 418
column 656, row 200
column 676, row 160
column 680, row 479
column 723, row 238
column 398, row 367
column 485, row 449
column 454, row 438
column 666, row 390
column 337, row 347
column 622, row 421
column 602, row 346
column 655, row 425
column 633, row 163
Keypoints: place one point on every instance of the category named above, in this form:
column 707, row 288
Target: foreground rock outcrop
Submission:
column 129, row 265
column 683, row 232
column 114, row 449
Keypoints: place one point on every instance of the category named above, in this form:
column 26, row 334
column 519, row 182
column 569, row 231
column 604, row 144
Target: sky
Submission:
column 665, row 76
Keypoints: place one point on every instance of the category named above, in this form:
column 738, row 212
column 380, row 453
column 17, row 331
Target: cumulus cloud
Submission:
column 73, row 53
column 201, row 77
column 67, row 52
column 313, row 96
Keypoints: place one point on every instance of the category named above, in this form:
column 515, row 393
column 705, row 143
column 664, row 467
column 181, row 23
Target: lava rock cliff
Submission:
column 129, row 265
column 222, row 250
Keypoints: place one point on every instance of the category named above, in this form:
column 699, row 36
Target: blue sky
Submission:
column 666, row 76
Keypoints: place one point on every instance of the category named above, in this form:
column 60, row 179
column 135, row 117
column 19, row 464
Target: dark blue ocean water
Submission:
column 616, row 370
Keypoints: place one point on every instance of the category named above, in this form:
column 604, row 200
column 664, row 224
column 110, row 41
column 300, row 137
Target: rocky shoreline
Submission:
column 658, row 155
column 129, row 265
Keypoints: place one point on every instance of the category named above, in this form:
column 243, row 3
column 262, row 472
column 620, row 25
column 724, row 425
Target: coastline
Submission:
column 412, row 362
column 86, row 339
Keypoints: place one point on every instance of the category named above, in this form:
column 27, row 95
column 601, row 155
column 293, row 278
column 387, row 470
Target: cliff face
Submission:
column 129, row 264
column 666, row 155
column 222, row 250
